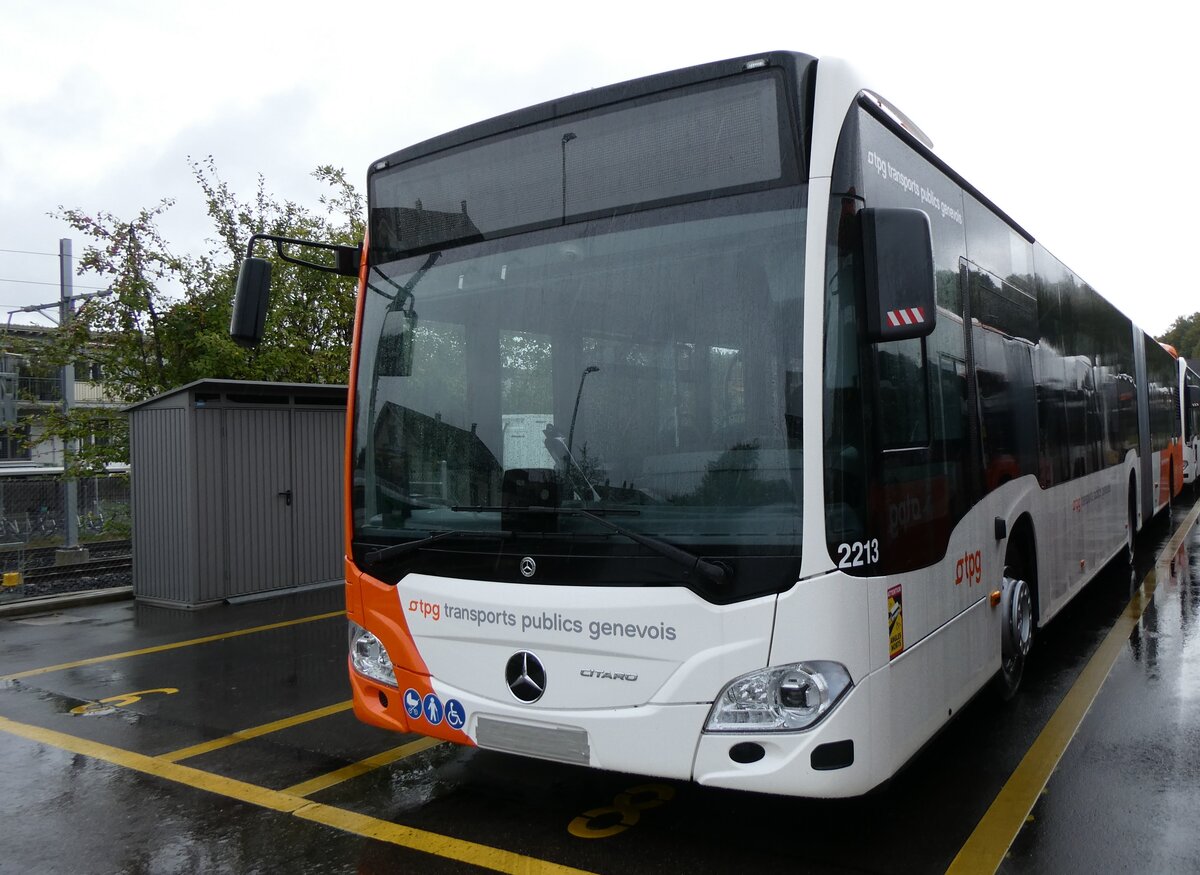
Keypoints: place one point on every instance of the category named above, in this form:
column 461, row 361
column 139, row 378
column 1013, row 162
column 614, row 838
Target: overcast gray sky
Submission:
column 1069, row 116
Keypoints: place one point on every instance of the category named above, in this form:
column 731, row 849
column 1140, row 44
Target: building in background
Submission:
column 30, row 387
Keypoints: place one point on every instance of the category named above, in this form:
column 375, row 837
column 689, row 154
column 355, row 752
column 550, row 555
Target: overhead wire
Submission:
column 42, row 283
column 31, row 252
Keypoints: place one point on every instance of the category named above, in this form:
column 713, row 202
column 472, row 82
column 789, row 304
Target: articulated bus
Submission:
column 710, row 426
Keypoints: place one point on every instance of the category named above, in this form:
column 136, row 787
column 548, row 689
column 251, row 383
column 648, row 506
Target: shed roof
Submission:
column 264, row 387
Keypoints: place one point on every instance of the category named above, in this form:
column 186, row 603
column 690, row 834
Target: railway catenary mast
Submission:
column 710, row 426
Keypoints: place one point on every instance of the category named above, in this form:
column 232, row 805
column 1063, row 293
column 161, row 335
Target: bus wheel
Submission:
column 1016, row 634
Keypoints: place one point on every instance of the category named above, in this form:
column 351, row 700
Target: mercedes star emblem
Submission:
column 525, row 676
column 528, row 566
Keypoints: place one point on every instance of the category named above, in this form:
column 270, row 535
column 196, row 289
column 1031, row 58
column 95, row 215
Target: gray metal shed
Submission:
column 236, row 489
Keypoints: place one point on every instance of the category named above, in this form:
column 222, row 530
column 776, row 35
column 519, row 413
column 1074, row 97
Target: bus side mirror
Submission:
column 250, row 302
column 254, row 281
column 396, row 342
column 898, row 261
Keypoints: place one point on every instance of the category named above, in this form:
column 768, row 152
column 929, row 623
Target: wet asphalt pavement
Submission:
column 1126, row 795
column 227, row 746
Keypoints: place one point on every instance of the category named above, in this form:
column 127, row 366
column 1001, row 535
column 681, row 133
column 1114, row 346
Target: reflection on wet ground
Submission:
column 1126, row 792
column 225, row 745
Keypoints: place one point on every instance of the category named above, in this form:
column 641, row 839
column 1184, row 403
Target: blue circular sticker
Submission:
column 432, row 707
column 412, row 703
column 456, row 714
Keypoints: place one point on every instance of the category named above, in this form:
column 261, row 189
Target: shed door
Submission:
column 260, row 514
column 318, row 442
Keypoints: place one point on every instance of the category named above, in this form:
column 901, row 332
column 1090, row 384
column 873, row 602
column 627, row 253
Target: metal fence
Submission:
column 33, row 529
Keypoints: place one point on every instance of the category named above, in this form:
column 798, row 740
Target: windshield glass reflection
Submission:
column 647, row 366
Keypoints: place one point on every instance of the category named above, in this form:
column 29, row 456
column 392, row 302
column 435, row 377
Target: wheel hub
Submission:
column 1017, row 612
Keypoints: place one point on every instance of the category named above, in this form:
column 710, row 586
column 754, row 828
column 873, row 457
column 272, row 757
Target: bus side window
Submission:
column 847, row 410
column 903, row 395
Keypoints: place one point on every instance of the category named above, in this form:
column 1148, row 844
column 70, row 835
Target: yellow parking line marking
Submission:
column 412, row 838
column 444, row 846
column 254, row 732
column 995, row 833
column 161, row 647
column 362, row 767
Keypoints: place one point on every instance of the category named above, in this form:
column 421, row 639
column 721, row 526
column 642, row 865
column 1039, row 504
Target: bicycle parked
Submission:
column 91, row 522
column 40, row 524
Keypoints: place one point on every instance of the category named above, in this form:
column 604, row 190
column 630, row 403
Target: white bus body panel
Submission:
column 673, row 653
column 888, row 715
column 1080, row 526
column 676, row 646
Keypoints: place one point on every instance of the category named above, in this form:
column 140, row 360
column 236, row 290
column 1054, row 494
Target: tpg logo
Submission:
column 969, row 568
column 429, row 610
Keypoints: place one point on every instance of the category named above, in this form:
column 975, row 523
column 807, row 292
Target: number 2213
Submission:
column 858, row 554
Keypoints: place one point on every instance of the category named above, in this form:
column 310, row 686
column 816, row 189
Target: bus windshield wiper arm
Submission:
column 385, row 553
column 713, row 572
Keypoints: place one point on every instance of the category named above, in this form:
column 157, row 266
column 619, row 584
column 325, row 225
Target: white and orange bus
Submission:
column 1189, row 397
column 709, row 426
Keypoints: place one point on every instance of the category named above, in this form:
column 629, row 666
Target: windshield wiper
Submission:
column 385, row 553
column 712, row 572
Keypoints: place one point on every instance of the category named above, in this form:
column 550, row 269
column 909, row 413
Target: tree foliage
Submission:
column 1184, row 335
column 165, row 321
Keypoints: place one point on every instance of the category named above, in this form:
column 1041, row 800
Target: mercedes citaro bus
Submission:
column 709, row 426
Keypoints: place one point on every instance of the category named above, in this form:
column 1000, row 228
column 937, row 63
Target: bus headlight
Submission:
column 783, row 697
column 369, row 657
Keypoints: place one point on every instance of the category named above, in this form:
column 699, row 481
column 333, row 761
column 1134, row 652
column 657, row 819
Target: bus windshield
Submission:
column 557, row 354
column 647, row 366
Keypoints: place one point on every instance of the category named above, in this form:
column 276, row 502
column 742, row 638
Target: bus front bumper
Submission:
column 660, row 740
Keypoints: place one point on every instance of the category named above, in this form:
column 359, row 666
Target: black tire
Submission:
column 1018, row 591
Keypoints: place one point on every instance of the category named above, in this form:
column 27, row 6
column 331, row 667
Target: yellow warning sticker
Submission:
column 896, row 620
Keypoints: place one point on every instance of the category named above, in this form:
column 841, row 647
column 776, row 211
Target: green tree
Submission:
column 165, row 321
column 1184, row 335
